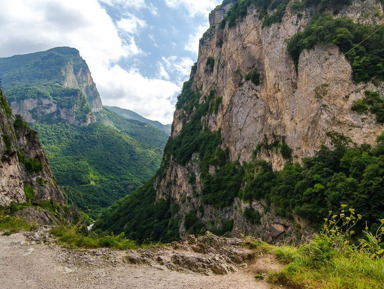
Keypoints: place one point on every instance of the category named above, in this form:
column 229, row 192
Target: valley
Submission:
column 270, row 176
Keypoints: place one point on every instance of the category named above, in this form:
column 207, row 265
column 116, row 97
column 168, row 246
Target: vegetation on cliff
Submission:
column 95, row 164
column 141, row 217
column 361, row 44
column 271, row 11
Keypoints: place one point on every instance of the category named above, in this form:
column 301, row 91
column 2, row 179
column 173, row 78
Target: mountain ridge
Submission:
column 54, row 91
column 257, row 142
column 129, row 114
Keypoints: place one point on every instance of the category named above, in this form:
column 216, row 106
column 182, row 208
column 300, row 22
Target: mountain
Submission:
column 279, row 123
column 128, row 114
column 51, row 86
column 97, row 156
column 148, row 135
column 25, row 172
column 29, row 193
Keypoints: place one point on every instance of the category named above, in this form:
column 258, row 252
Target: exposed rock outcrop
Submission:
column 206, row 255
column 25, row 174
column 63, row 90
column 299, row 107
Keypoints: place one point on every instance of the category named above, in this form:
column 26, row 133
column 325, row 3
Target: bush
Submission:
column 210, row 64
column 29, row 193
column 7, row 139
column 333, row 259
column 372, row 102
column 254, row 76
column 252, row 215
column 360, row 44
column 75, row 237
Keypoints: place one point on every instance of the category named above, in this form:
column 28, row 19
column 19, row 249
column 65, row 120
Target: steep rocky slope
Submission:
column 274, row 83
column 25, row 174
column 55, row 93
column 51, row 86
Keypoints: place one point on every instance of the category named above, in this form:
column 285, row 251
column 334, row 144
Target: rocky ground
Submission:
column 32, row 260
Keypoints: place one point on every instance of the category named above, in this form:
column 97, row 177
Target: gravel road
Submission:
column 25, row 264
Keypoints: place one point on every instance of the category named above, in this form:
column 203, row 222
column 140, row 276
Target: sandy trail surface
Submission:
column 24, row 264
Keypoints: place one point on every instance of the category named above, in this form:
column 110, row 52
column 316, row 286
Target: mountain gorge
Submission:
column 279, row 123
column 96, row 155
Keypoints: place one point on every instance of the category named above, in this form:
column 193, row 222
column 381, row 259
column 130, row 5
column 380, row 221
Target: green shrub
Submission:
column 254, row 76
column 372, row 102
column 286, row 151
column 360, row 106
column 193, row 225
column 5, row 105
column 33, row 165
column 362, row 52
column 75, row 237
column 7, row 139
column 19, row 122
column 333, row 259
column 13, row 224
column 29, row 193
column 271, row 11
column 252, row 215
column 210, row 64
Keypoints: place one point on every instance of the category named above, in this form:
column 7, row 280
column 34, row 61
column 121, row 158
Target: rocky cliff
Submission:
column 25, row 175
column 51, row 86
column 273, row 83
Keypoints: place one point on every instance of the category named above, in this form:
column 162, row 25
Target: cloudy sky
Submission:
column 139, row 51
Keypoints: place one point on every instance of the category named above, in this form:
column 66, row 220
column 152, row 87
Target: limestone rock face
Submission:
column 64, row 90
column 77, row 75
column 302, row 106
column 23, row 163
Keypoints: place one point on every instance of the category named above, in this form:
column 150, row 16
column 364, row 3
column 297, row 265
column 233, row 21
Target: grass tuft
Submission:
column 74, row 237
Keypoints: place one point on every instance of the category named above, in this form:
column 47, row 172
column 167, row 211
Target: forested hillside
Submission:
column 280, row 123
column 96, row 155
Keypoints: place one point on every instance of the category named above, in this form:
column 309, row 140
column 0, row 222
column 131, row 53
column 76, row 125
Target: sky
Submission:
column 139, row 51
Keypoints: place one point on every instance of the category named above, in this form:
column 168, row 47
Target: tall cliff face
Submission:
column 300, row 105
column 258, row 100
column 51, row 86
column 275, row 82
column 25, row 174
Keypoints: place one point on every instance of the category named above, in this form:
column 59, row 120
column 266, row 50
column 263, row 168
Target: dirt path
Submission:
column 24, row 264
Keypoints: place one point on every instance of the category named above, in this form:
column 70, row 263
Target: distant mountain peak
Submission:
column 51, row 86
column 129, row 114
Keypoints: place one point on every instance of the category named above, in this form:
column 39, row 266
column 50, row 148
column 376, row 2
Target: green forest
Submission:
column 96, row 165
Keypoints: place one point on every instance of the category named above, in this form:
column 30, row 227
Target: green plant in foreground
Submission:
column 373, row 243
column 333, row 259
column 76, row 237
column 12, row 224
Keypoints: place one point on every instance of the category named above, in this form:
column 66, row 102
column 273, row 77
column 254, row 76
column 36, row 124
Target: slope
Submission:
column 129, row 114
column 279, row 123
column 96, row 155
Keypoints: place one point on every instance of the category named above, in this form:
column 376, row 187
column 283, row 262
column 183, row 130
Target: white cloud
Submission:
column 29, row 26
column 179, row 66
column 193, row 42
column 132, row 24
column 195, row 7
column 163, row 74
column 136, row 4
column 37, row 25
column 130, row 90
